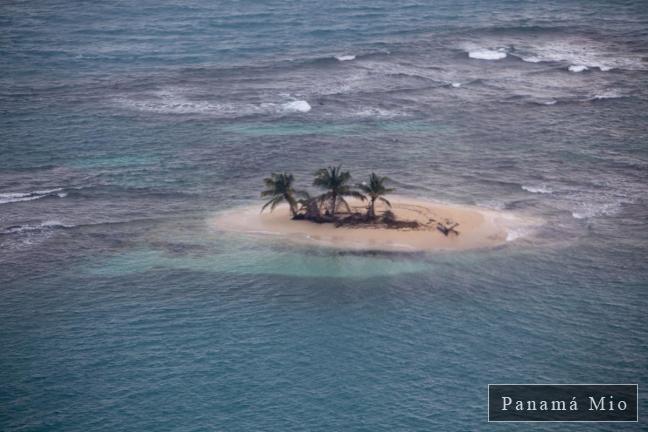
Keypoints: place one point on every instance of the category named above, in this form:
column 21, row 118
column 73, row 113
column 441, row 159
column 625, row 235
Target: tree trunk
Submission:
column 334, row 199
column 313, row 210
column 290, row 204
column 373, row 208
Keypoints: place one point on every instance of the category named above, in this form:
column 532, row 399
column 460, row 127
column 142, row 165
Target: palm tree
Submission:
column 280, row 188
column 309, row 206
column 375, row 190
column 336, row 182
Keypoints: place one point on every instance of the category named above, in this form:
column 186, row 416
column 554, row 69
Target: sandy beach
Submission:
column 477, row 227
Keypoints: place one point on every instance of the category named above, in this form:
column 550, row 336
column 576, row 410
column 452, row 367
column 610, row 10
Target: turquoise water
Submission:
column 125, row 128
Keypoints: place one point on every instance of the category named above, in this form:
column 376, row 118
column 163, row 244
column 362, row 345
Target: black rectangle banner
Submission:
column 563, row 402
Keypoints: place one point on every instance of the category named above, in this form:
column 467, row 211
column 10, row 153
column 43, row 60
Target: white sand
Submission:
column 478, row 228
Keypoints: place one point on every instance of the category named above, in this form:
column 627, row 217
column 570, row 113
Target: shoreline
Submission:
column 478, row 228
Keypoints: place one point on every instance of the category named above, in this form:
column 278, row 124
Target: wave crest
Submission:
column 11, row 197
column 50, row 224
column 541, row 189
column 297, row 106
column 577, row 68
column 609, row 94
column 175, row 102
column 487, row 54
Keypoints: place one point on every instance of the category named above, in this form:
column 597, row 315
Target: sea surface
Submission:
column 126, row 126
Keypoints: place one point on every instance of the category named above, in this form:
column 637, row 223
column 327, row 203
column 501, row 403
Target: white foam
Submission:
column 20, row 199
column 531, row 59
column 54, row 224
column 589, row 210
column 578, row 68
column 578, row 52
column 44, row 225
column 513, row 234
column 170, row 105
column 544, row 101
column 486, row 54
column 174, row 101
column 456, row 84
column 492, row 204
column 378, row 112
column 541, row 189
column 610, row 94
column 345, row 57
column 297, row 106
column 11, row 197
column 567, row 50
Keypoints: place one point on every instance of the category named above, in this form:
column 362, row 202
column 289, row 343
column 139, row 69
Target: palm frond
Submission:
column 303, row 194
column 273, row 203
column 325, row 196
column 356, row 194
column 385, row 201
column 267, row 193
column 346, row 204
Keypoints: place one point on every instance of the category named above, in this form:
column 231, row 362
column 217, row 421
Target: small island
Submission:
column 329, row 206
column 364, row 216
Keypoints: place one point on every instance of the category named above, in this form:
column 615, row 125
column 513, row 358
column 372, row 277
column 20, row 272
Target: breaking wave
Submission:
column 577, row 68
column 610, row 94
column 47, row 225
column 531, row 59
column 297, row 106
column 11, row 197
column 487, row 54
column 577, row 54
column 345, row 57
column 173, row 103
column 541, row 189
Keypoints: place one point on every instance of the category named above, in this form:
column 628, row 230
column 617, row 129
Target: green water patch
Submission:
column 257, row 261
column 291, row 129
column 412, row 126
column 337, row 129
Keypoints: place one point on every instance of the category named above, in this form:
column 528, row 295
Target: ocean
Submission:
column 126, row 126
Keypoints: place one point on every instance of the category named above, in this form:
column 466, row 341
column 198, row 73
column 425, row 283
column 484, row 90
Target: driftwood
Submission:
column 352, row 219
column 447, row 229
column 403, row 224
column 387, row 221
column 311, row 212
column 320, row 219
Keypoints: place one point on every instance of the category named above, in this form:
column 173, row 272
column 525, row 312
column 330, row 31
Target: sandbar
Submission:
column 477, row 227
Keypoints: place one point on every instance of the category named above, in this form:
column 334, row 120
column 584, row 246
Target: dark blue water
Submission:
column 125, row 127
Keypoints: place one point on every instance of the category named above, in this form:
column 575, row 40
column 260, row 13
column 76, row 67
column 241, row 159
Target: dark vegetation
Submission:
column 331, row 206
